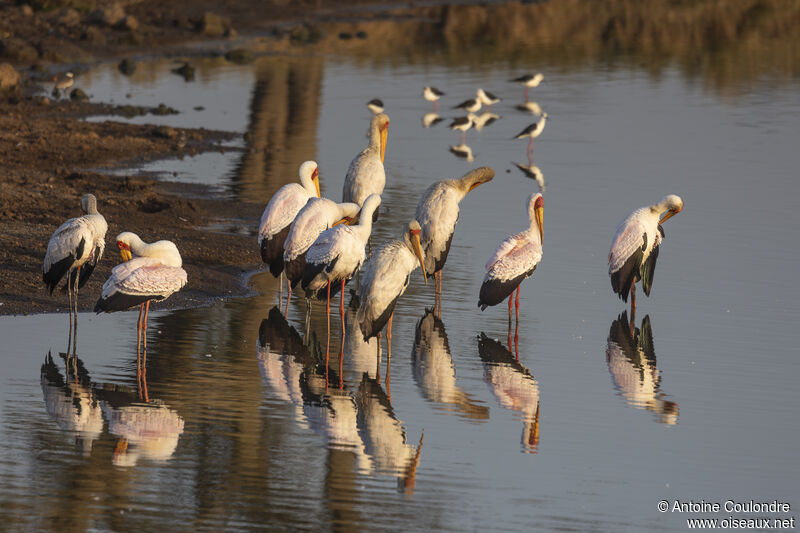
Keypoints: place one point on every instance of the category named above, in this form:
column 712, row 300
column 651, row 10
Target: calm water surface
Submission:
column 582, row 425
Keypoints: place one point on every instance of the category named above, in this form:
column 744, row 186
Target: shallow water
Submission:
column 583, row 430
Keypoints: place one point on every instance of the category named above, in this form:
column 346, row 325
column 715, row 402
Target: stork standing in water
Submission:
column 634, row 249
column 318, row 215
column 437, row 213
column 366, row 175
column 336, row 256
column 529, row 80
column 279, row 214
column 532, row 131
column 514, row 260
column 149, row 272
column 75, row 249
column 385, row 279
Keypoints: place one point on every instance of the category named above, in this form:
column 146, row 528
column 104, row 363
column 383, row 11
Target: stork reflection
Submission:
column 513, row 385
column 435, row 373
column 70, row 400
column 362, row 424
column 79, row 407
column 631, row 361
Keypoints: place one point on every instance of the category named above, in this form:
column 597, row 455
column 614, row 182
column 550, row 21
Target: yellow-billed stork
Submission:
column 634, row 249
column 514, row 260
column 384, row 280
column 315, row 217
column 366, row 174
column 281, row 211
column 337, row 254
column 437, row 214
column 75, row 249
column 149, row 272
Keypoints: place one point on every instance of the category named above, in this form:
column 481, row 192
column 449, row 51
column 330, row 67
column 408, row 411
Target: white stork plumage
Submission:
column 437, row 214
column 337, row 254
column 75, row 249
column 150, row 272
column 531, row 132
column 366, row 174
column 514, row 260
column 385, row 278
column 281, row 211
column 634, row 249
column 529, row 80
column 487, row 98
column 315, row 217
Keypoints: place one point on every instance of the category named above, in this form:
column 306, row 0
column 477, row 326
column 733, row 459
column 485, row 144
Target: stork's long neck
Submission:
column 139, row 247
column 374, row 139
column 364, row 225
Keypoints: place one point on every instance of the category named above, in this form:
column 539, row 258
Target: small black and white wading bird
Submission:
column 484, row 119
column 487, row 98
column 462, row 151
column 462, row 124
column 149, row 272
column 366, row 175
column 62, row 83
column 318, row 215
column 514, row 260
column 385, row 278
column 431, row 119
column 432, row 94
column 473, row 105
column 531, row 132
column 75, row 249
column 336, row 256
column 437, row 213
column 533, row 172
column 634, row 249
column 529, row 80
column 375, row 105
column 281, row 210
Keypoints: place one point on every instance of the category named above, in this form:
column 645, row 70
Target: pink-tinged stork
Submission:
column 281, row 211
column 75, row 249
column 149, row 272
column 336, row 256
column 634, row 249
column 514, row 260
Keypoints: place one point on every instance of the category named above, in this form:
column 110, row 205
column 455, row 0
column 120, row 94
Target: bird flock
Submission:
column 323, row 244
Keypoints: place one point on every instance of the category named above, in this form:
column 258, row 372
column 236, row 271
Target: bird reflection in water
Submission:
column 362, row 423
column 513, row 385
column 631, row 361
column 435, row 373
column 484, row 119
column 531, row 107
column 70, row 400
column 149, row 430
column 533, row 172
column 462, row 151
column 431, row 119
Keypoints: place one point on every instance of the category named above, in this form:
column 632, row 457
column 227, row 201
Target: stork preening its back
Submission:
column 75, row 249
column 281, row 211
column 149, row 272
column 514, row 260
column 634, row 249
column 437, row 214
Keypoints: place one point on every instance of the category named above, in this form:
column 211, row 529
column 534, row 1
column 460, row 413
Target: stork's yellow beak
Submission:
column 126, row 254
column 345, row 220
column 418, row 252
column 671, row 213
column 539, row 211
column 315, row 179
column 384, row 140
